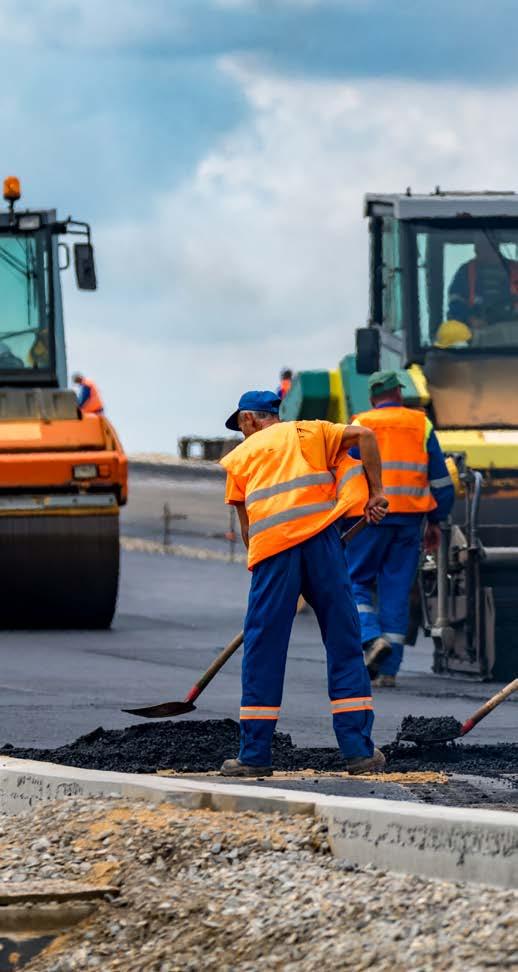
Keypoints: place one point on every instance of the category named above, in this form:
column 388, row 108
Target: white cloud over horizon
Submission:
column 258, row 258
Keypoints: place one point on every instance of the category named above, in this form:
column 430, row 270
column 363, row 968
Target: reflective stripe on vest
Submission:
column 289, row 500
column 93, row 402
column 401, row 433
column 359, row 704
column 286, row 516
column 312, row 479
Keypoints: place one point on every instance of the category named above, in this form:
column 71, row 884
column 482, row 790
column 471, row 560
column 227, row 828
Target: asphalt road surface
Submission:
column 174, row 616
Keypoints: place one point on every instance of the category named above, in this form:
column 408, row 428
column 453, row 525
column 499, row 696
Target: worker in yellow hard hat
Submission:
column 453, row 334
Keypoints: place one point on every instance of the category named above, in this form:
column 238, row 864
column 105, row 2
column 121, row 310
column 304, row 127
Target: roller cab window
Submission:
column 466, row 287
column 26, row 320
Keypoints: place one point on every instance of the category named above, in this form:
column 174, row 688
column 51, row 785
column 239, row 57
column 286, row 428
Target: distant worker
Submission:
column 88, row 397
column 290, row 482
column 484, row 290
column 383, row 561
column 285, row 383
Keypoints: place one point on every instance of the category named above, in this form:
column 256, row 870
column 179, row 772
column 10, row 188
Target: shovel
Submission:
column 441, row 730
column 165, row 709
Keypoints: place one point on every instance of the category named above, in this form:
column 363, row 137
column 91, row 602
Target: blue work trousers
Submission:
column 382, row 562
column 316, row 569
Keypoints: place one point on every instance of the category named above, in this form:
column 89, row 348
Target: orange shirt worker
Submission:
column 290, row 483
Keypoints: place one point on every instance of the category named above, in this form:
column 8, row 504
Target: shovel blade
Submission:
column 163, row 710
column 428, row 740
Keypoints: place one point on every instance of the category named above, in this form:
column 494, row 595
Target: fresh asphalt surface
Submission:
column 174, row 615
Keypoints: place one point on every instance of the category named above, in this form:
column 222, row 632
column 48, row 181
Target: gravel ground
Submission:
column 205, row 890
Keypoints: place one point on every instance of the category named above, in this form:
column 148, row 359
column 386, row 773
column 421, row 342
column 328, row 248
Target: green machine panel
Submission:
column 356, row 387
column 308, row 397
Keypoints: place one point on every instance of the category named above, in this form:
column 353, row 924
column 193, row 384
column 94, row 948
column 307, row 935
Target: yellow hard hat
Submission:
column 451, row 333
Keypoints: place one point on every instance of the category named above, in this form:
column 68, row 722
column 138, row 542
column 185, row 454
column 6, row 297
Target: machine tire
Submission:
column 58, row 571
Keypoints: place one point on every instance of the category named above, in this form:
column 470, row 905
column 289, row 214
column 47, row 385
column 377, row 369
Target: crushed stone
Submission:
column 247, row 892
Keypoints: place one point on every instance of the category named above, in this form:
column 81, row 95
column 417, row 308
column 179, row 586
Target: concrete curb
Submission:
column 440, row 842
column 173, row 468
column 179, row 550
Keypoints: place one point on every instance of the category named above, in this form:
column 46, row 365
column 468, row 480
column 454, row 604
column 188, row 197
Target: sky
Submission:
column 220, row 150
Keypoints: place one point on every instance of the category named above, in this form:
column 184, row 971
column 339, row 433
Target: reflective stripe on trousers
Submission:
column 259, row 712
column 359, row 704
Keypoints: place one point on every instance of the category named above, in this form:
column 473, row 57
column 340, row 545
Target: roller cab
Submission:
column 63, row 475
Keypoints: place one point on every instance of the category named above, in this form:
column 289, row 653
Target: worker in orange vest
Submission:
column 285, row 382
column 383, row 563
column 290, row 483
column 88, row 397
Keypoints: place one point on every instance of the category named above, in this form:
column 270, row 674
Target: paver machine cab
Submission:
column 63, row 475
column 444, row 313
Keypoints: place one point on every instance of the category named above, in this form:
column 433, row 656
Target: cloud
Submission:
column 259, row 258
column 448, row 39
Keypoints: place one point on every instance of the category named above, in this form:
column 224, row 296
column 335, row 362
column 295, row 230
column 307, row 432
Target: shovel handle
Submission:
column 489, row 706
column 357, row 528
column 213, row 669
column 348, row 535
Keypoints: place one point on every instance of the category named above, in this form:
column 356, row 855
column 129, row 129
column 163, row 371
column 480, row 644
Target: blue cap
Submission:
column 254, row 401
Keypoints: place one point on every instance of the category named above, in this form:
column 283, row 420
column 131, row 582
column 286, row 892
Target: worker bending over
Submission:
column 88, row 397
column 383, row 562
column 290, row 482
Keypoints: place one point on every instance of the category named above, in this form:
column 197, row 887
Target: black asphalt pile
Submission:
column 421, row 730
column 195, row 746
column 490, row 761
column 189, row 747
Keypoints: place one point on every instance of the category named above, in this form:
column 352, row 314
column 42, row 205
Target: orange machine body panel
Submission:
column 38, row 454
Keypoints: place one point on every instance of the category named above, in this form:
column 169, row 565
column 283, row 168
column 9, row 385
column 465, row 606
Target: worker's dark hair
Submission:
column 286, row 373
column 77, row 376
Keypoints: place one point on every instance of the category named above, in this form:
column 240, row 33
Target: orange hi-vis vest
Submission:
column 287, row 498
column 93, row 402
column 401, row 434
column 284, row 386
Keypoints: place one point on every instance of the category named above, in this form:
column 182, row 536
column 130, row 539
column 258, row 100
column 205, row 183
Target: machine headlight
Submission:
column 32, row 221
column 87, row 471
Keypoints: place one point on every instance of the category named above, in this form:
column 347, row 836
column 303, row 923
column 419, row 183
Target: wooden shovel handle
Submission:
column 213, row 669
column 489, row 706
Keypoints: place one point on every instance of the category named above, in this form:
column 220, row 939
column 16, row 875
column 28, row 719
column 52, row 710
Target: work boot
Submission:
column 234, row 767
column 384, row 681
column 367, row 764
column 377, row 651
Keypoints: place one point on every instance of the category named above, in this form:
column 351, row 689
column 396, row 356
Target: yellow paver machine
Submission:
column 444, row 313
column 63, row 475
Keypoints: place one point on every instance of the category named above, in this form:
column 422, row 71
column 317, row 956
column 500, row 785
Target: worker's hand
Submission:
column 432, row 537
column 376, row 508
